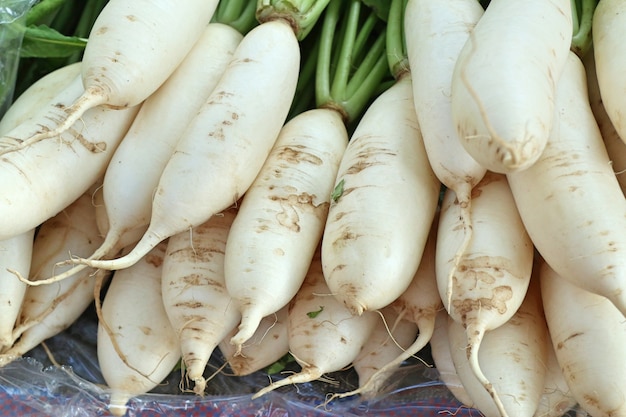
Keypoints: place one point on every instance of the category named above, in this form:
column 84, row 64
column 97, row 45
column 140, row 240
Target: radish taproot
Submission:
column 287, row 204
column 435, row 33
column 561, row 216
column 580, row 321
column 40, row 181
column 131, row 50
column 224, row 146
column 368, row 263
column 136, row 344
column 392, row 335
column 199, row 308
column 281, row 218
column 504, row 118
column 268, row 345
column 324, row 336
column 418, row 304
column 513, row 356
column 492, row 277
column 150, row 140
column 49, row 309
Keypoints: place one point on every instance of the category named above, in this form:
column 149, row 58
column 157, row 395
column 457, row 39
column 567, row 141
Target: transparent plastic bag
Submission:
column 34, row 387
column 12, row 18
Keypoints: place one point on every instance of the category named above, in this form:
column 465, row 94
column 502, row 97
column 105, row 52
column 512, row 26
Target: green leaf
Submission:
column 381, row 7
column 280, row 364
column 45, row 42
column 338, row 191
column 313, row 314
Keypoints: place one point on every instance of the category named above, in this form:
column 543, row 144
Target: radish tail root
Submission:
column 250, row 320
column 88, row 100
column 475, row 336
column 307, row 374
column 148, row 242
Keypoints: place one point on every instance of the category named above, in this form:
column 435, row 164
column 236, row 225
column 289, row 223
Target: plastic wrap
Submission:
column 12, row 16
column 35, row 387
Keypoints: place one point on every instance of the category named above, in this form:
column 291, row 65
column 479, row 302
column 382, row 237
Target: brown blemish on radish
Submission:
column 297, row 154
column 154, row 260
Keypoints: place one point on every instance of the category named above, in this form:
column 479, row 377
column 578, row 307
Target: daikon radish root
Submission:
column 491, row 279
column 442, row 359
column 579, row 322
column 37, row 95
column 370, row 248
column 504, row 116
column 49, row 309
column 287, row 204
column 557, row 398
column 282, row 216
column 37, row 183
column 15, row 253
column 418, row 304
column 132, row 48
column 324, row 336
column 392, row 335
column 615, row 146
column 268, row 344
column 150, row 141
column 609, row 29
column 199, row 308
column 583, row 244
column 136, row 345
column 512, row 356
column 226, row 143
column 435, row 33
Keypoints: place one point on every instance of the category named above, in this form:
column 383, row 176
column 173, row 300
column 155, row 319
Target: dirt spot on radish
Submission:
column 102, row 30
column 146, row 330
column 154, row 260
column 294, row 204
column 297, row 154
column 131, row 17
column 562, row 343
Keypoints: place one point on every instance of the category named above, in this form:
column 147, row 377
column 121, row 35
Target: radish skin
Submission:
column 282, row 216
column 150, row 141
column 435, row 33
column 557, row 398
column 268, row 344
column 39, row 182
column 504, row 117
column 492, row 277
column 512, row 356
column 37, row 95
column 580, row 242
column 579, row 322
column 442, row 358
column 145, row 347
column 324, row 336
column 370, row 248
column 222, row 150
column 608, row 31
column 615, row 146
column 133, row 47
column 199, row 308
column 15, row 253
column 49, row 309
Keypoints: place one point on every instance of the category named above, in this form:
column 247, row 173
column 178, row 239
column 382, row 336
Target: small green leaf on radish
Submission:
column 338, row 191
column 313, row 314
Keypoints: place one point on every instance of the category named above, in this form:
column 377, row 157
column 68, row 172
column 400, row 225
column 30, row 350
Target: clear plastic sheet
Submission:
column 35, row 387
column 12, row 16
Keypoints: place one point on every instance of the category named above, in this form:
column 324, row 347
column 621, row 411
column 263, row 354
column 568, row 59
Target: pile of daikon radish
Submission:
column 166, row 164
